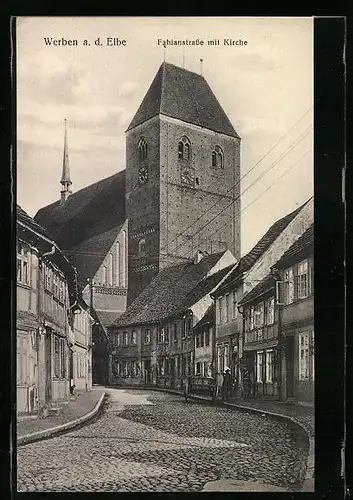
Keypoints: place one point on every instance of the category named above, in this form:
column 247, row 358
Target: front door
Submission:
column 290, row 366
column 48, row 362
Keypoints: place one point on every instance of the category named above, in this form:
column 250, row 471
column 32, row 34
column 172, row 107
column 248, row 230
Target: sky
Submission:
column 265, row 86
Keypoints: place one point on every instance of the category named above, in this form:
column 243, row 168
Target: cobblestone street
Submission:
column 152, row 441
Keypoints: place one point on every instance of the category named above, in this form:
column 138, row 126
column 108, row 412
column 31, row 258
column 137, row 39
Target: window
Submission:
column 220, row 313
column 219, row 359
column 142, row 247
column 259, row 366
column 56, row 357
column 270, row 311
column 117, row 265
column 303, row 288
column 288, row 286
column 62, row 358
column 269, row 366
column 198, row 369
column 189, row 326
column 110, row 269
column 104, row 275
column 133, row 368
column 252, row 315
column 133, row 337
column 161, row 335
column 142, row 146
column 184, row 149
column 226, row 356
column 184, row 327
column 166, row 334
column 207, row 336
column 22, row 359
column 147, row 336
column 175, row 332
column 23, row 261
column 303, row 356
column 48, row 278
column 227, row 308
column 217, row 157
column 124, row 369
column 235, row 305
column 198, row 340
column 125, row 339
column 259, row 315
column 55, row 285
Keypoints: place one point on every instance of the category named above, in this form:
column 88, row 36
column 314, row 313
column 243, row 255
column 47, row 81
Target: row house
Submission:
column 249, row 272
column 295, row 299
column 278, row 328
column 204, row 340
column 153, row 342
column 48, row 332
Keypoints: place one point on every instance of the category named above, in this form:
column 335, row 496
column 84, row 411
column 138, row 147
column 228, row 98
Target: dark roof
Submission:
column 173, row 291
column 106, row 318
column 23, row 217
column 93, row 210
column 265, row 285
column 246, row 262
column 185, row 95
column 208, row 317
column 88, row 255
column 303, row 245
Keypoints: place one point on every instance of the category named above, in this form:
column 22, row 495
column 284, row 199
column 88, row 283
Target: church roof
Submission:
column 246, row 262
column 173, row 291
column 86, row 225
column 92, row 210
column 185, row 95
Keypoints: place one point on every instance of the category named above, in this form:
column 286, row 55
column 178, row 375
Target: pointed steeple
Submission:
column 65, row 178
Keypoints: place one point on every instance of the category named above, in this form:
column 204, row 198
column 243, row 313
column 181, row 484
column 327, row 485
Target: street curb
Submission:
column 46, row 433
column 308, row 479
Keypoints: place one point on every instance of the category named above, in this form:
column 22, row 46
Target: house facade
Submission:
column 260, row 366
column 47, row 331
column 204, row 350
column 153, row 342
column 295, row 299
column 249, row 272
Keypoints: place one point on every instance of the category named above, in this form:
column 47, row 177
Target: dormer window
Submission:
column 142, row 146
column 184, row 149
column 217, row 157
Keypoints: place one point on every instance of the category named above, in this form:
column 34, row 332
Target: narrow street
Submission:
column 152, row 441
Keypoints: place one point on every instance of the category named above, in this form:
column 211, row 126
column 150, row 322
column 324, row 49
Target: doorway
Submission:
column 172, row 373
column 147, row 371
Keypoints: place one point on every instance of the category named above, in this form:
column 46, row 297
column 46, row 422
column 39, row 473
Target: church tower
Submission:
column 182, row 176
column 65, row 177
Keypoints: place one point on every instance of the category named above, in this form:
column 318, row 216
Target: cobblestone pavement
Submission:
column 151, row 441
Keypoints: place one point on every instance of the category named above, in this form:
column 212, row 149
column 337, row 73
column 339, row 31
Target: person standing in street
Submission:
column 227, row 382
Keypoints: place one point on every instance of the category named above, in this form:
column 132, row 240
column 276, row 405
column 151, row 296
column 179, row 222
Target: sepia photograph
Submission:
column 165, row 254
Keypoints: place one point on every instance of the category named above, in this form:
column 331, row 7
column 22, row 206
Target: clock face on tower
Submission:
column 143, row 175
column 187, row 176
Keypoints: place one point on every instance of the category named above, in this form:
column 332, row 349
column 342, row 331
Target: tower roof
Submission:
column 185, row 95
column 65, row 178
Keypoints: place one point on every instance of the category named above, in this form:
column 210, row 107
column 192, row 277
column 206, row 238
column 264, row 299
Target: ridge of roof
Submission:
column 246, row 262
column 80, row 217
column 185, row 95
column 171, row 291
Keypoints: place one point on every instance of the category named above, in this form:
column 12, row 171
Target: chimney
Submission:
column 198, row 257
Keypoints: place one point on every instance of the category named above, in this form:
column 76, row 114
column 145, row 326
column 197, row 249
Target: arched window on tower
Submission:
column 142, row 247
column 117, row 268
column 142, row 146
column 217, row 157
column 104, row 275
column 184, row 149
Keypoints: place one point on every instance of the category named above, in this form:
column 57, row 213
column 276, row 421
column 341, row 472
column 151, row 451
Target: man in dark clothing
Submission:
column 227, row 383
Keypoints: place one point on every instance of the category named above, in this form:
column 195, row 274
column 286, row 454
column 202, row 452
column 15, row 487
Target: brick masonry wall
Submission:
column 181, row 206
